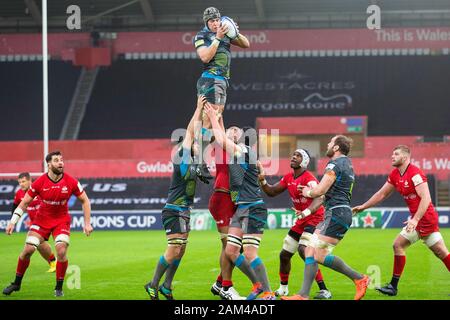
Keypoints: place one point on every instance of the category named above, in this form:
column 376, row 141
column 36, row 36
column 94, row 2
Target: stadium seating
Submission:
column 21, row 98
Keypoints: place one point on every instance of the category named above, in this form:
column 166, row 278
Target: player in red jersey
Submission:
column 54, row 188
column 299, row 235
column 423, row 224
column 222, row 209
column 24, row 180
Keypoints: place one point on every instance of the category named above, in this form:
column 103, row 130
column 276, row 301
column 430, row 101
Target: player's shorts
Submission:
column 61, row 228
column 336, row 223
column 251, row 219
column 427, row 225
column 301, row 225
column 214, row 89
column 221, row 208
column 176, row 221
column 427, row 231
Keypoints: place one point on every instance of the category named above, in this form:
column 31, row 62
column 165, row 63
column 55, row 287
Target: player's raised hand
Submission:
column 209, row 110
column 9, row 229
column 260, row 168
column 221, row 32
column 87, row 229
column 201, row 100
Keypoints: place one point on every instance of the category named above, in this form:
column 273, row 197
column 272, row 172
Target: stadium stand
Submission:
column 21, row 103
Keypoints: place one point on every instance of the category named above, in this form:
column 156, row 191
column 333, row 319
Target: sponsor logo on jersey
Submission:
column 410, row 196
column 53, row 203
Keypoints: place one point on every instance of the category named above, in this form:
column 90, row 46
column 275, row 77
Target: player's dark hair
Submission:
column 25, row 175
column 344, row 143
column 48, row 158
column 403, row 148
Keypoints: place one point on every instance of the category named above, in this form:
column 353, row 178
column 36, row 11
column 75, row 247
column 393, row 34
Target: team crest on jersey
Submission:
column 64, row 190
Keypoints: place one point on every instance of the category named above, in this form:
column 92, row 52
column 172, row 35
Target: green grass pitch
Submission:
column 116, row 265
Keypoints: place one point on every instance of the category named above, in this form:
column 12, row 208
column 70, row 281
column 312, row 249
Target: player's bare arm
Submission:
column 195, row 121
column 207, row 53
column 86, row 206
column 18, row 212
column 316, row 203
column 241, row 41
column 322, row 188
column 220, row 135
column 425, row 199
column 270, row 190
column 379, row 196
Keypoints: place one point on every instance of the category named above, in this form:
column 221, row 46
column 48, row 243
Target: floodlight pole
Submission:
column 45, row 79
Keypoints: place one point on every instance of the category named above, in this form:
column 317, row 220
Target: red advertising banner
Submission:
column 310, row 39
column 151, row 158
column 314, row 125
column 61, row 44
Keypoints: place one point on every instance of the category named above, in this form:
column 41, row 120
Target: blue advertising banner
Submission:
column 202, row 220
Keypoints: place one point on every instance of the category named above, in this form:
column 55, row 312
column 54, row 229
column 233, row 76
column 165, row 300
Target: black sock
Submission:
column 284, row 283
column 322, row 285
column 395, row 281
column 18, row 280
column 59, row 284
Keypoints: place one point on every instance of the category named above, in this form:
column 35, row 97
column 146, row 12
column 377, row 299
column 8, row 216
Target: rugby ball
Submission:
column 233, row 30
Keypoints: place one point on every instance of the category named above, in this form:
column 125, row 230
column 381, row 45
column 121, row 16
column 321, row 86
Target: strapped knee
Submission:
column 305, row 239
column 234, row 240
column 33, row 241
column 62, row 238
column 289, row 244
column 315, row 242
column 177, row 241
column 251, row 241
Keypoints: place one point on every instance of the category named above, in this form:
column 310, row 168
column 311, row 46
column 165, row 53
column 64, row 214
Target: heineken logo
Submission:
column 369, row 220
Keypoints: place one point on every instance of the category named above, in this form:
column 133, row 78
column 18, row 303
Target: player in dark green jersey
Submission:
column 213, row 48
column 247, row 224
column 176, row 212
